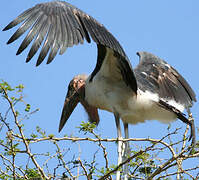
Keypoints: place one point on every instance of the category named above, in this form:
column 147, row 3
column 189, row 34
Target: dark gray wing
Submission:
column 157, row 76
column 61, row 25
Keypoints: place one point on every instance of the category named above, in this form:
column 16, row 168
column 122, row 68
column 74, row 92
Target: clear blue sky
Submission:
column 168, row 29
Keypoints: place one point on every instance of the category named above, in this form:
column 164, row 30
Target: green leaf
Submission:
column 87, row 127
column 51, row 135
column 32, row 173
column 20, row 87
column 27, row 108
column 33, row 135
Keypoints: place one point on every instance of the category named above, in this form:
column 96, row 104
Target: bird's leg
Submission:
column 193, row 136
column 126, row 151
column 119, row 146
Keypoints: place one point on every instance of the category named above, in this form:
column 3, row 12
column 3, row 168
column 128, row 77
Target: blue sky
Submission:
column 168, row 29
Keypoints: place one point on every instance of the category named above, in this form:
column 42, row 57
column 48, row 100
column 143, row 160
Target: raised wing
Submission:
column 61, row 25
column 155, row 75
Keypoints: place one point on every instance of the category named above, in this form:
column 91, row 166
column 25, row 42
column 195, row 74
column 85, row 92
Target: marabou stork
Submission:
column 154, row 90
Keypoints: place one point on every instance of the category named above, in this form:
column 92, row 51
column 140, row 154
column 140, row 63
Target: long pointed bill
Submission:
column 75, row 95
column 71, row 101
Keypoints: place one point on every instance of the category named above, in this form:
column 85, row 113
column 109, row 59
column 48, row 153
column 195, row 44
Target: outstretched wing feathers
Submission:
column 24, row 27
column 157, row 76
column 47, row 44
column 31, row 34
column 20, row 18
column 71, row 21
column 58, row 25
column 39, row 37
column 61, row 25
column 184, row 84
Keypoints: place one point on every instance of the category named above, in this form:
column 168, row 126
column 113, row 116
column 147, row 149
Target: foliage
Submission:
column 19, row 158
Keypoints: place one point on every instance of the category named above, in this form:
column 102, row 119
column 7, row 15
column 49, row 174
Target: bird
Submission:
column 153, row 90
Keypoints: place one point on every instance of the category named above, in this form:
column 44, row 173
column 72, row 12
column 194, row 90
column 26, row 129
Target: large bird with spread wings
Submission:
column 154, row 90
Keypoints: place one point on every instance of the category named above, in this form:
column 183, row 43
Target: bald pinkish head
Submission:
column 76, row 94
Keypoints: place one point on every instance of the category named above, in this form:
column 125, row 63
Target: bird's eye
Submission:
column 80, row 81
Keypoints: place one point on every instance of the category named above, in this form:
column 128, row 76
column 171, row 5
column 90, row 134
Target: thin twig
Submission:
column 83, row 167
column 23, row 137
column 9, row 161
column 126, row 161
column 62, row 160
column 103, row 148
column 183, row 171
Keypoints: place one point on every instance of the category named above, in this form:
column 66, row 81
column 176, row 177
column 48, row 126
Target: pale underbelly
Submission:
column 132, row 109
column 153, row 113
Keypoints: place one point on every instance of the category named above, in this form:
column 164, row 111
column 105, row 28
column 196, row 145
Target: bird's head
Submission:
column 76, row 94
